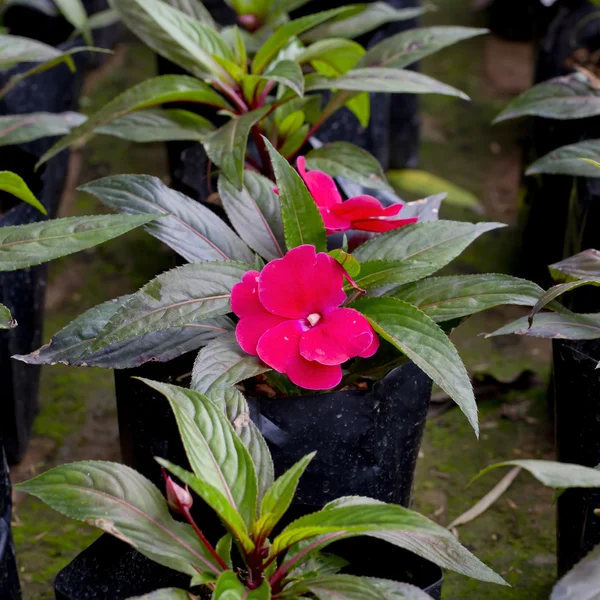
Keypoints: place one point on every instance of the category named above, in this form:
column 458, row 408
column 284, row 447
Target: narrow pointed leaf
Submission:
column 188, row 294
column 158, row 125
column 15, row 185
column 71, row 345
column 15, row 49
column 229, row 587
column 149, row 93
column 27, row 245
column 255, row 213
column 74, row 12
column 216, row 454
column 191, row 229
column 382, row 79
column 195, row 9
column 426, row 344
column 394, row 590
column 223, row 363
column 6, row 320
column 415, row 251
column 568, row 160
column 226, row 147
column 302, row 222
column 120, row 501
column 18, row 129
column 585, row 265
column 555, row 326
column 223, row 549
column 342, row 159
column 339, row 587
column 558, row 290
column 582, row 582
column 406, row 48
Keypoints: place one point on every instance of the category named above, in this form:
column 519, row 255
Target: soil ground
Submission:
column 515, row 536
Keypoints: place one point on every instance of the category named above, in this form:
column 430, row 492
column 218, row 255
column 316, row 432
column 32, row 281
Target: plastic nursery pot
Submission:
column 9, row 578
column 577, row 406
column 520, row 20
column 23, row 291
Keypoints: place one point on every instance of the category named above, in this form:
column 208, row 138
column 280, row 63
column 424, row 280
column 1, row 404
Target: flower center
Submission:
column 313, row 319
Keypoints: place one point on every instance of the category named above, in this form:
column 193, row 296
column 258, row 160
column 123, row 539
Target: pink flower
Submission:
column 290, row 318
column 361, row 212
column 179, row 499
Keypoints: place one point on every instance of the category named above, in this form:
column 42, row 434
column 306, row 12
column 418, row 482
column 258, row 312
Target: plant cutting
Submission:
column 253, row 559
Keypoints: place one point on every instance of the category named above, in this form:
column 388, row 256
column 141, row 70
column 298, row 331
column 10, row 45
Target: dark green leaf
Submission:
column 426, row 344
column 364, row 18
column 302, row 222
column 71, row 345
column 382, row 79
column 286, row 72
column 226, row 147
column 158, row 125
column 582, row 582
column 149, row 93
column 6, row 320
column 568, row 160
column 338, row 587
column 223, row 548
column 176, row 36
column 191, row 229
column 15, row 49
column 558, row 290
column 229, row 587
column 585, row 265
column 255, row 213
column 27, row 245
column 14, row 184
column 564, row 98
column 188, row 294
column 415, row 251
column 406, row 48
column 555, row 326
column 394, row 590
column 342, row 159
column 283, row 34
column 18, row 129
column 125, row 504
column 216, row 454
column 223, row 363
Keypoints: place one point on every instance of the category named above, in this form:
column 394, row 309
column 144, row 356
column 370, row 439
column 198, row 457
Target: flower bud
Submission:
column 178, row 498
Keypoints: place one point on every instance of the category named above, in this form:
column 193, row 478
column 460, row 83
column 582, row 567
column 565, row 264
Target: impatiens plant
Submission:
column 325, row 320
column 288, row 564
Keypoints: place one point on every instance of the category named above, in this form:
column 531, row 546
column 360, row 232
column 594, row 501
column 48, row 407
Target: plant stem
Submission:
column 207, row 544
column 263, row 96
column 232, row 95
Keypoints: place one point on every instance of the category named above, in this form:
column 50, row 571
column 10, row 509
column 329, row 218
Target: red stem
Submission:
column 263, row 96
column 232, row 95
column 207, row 544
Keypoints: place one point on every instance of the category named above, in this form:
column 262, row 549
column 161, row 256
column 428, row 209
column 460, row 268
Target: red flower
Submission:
column 361, row 212
column 290, row 318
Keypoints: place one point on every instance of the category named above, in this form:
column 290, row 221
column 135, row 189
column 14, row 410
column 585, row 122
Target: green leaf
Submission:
column 15, row 49
column 567, row 160
column 362, row 19
column 18, row 129
column 319, row 564
column 423, row 184
column 555, row 326
column 125, row 504
column 336, row 55
column 302, row 222
column 382, row 79
column 233, row 404
column 406, row 48
column 194, row 9
column 223, row 549
column 279, row 497
column 176, row 36
column 255, row 213
column 187, row 294
column 342, row 159
column 415, row 251
column 158, row 125
column 284, row 33
column 556, row 291
column 15, row 185
column 74, row 12
column 338, row 587
column 216, row 454
column 27, row 245
column 564, row 98
column 71, row 345
column 350, row 264
column 101, row 19
column 226, row 147
column 229, row 587
column 394, row 590
column 286, row 72
column 454, row 297
column 426, row 344
column 582, row 582
column 352, row 516
column 553, row 474
column 585, row 265
column 149, row 93
column 223, row 363
column 166, row 594
column 191, row 229
column 6, row 320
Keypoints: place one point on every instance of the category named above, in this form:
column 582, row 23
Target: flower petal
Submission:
column 340, row 335
column 244, row 296
column 301, row 283
column 381, row 225
column 320, row 185
column 312, row 375
column 332, row 222
column 372, row 348
column 250, row 329
column 364, row 207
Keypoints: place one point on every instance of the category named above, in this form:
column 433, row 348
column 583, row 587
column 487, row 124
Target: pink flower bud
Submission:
column 250, row 22
column 178, row 498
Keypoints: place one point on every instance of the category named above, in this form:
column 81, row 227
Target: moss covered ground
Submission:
column 77, row 418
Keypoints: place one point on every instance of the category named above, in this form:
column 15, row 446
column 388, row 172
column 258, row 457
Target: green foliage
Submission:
column 6, row 320
column 15, row 185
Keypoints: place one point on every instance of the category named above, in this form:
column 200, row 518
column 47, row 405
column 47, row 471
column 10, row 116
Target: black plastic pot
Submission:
column 577, row 390
column 520, row 20
column 9, row 577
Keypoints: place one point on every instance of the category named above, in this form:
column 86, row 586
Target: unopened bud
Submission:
column 250, row 22
column 178, row 498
